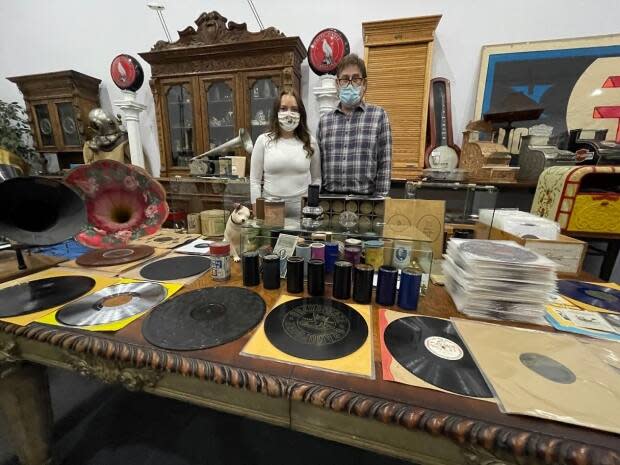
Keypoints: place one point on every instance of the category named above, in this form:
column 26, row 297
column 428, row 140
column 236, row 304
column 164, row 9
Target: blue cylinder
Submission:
column 331, row 256
column 409, row 292
column 386, row 285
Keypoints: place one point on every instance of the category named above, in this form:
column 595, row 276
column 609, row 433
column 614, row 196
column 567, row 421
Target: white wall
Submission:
column 39, row 36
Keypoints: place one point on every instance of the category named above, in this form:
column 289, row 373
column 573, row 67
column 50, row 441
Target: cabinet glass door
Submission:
column 46, row 132
column 68, row 124
column 181, row 124
column 262, row 94
column 221, row 113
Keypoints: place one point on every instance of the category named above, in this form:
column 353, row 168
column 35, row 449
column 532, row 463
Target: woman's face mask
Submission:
column 289, row 120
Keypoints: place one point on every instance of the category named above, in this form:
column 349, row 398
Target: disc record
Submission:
column 175, row 268
column 316, row 328
column 115, row 256
column 431, row 349
column 42, row 294
column 99, row 307
column 204, row 318
column 598, row 296
column 500, row 252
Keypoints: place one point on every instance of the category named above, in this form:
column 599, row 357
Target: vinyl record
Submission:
column 42, row 294
column 431, row 349
column 500, row 252
column 168, row 269
column 204, row 318
column 598, row 296
column 112, row 303
column 115, row 256
column 316, row 328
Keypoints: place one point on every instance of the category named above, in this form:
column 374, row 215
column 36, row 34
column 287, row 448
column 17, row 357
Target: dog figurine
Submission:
column 232, row 235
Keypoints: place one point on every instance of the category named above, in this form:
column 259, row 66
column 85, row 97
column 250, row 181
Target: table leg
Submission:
column 25, row 403
column 611, row 255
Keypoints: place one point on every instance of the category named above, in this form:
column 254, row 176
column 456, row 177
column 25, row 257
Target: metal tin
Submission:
column 220, row 261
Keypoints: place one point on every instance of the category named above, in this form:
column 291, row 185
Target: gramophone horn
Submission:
column 123, row 203
column 40, row 211
column 242, row 140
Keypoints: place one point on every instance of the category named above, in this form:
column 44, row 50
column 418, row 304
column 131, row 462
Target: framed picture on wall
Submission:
column 576, row 81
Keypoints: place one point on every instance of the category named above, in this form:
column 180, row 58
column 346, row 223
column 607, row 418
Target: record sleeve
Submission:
column 196, row 247
column 427, row 352
column 546, row 375
column 359, row 363
column 591, row 296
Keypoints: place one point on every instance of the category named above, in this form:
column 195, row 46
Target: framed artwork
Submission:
column 576, row 81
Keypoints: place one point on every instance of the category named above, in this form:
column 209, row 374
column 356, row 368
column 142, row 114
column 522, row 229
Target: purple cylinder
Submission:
column 317, row 251
column 353, row 254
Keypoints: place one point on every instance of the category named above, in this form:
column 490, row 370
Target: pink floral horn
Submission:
column 123, row 203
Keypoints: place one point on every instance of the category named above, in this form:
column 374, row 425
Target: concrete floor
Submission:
column 107, row 425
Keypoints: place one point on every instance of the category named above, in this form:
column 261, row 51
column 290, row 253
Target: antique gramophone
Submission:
column 536, row 154
column 211, row 164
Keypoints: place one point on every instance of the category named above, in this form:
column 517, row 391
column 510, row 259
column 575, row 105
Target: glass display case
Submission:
column 262, row 95
column 181, row 124
column 221, row 111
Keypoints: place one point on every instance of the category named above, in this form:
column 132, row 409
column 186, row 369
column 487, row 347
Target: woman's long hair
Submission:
column 301, row 131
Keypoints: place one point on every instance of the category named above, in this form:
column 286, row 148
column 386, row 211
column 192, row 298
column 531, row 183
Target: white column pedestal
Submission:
column 131, row 118
column 327, row 94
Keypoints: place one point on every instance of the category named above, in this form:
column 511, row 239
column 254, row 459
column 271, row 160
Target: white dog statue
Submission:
column 232, row 235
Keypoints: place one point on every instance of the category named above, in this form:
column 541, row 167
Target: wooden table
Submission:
column 424, row 426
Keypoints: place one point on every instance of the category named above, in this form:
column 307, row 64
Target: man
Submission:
column 355, row 139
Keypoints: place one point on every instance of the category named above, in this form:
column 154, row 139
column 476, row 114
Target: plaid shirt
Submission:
column 356, row 151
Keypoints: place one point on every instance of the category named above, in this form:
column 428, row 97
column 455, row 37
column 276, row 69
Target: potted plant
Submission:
column 16, row 136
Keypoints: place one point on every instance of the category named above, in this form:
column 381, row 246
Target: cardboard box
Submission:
column 567, row 252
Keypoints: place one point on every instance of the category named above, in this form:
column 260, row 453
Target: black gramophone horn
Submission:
column 40, row 211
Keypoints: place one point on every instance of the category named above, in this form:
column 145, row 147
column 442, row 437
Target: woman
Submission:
column 287, row 157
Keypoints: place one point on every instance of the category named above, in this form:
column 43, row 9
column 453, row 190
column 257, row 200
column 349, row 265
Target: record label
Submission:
column 316, row 328
column 443, row 348
column 547, row 368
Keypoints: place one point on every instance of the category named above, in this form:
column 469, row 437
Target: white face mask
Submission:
column 288, row 120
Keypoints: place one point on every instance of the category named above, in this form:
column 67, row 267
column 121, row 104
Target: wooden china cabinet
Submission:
column 214, row 80
column 58, row 104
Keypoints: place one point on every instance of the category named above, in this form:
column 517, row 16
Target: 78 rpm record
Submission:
column 598, row 296
column 431, row 349
column 115, row 256
column 315, row 328
column 496, row 251
column 171, row 268
column 111, row 304
column 42, row 294
column 204, row 318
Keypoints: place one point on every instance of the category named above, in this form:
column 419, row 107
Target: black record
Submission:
column 315, row 328
column 204, row 318
column 171, row 268
column 431, row 349
column 42, row 294
column 591, row 294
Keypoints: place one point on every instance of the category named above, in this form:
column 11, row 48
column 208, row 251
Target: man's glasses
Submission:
column 356, row 81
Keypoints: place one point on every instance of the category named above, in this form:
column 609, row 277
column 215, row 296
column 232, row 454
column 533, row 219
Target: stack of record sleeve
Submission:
column 499, row 280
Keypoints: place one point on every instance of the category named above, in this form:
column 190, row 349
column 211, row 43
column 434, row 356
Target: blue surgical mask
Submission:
column 350, row 95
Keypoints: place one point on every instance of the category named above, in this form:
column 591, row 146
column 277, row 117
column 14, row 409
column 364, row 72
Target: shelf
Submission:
column 254, row 99
column 260, row 125
column 182, row 127
column 220, row 101
column 221, row 127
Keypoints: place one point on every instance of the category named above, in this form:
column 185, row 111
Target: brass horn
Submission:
column 242, row 140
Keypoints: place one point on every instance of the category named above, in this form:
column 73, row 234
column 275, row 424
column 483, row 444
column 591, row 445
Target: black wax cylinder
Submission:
column 362, row 283
column 342, row 280
column 295, row 275
column 251, row 272
column 313, row 195
column 316, row 277
column 386, row 285
column 271, row 271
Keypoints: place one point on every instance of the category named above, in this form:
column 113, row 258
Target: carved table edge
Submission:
column 472, row 435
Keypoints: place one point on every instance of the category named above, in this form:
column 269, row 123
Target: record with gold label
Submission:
column 316, row 328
